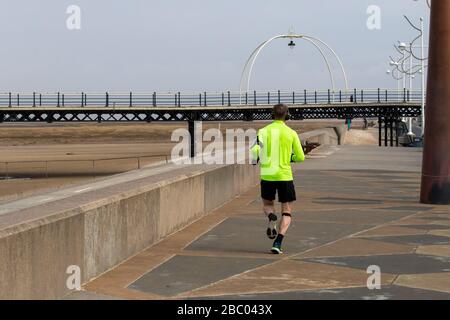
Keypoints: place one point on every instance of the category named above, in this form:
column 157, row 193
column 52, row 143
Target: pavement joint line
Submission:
column 127, row 286
column 271, row 292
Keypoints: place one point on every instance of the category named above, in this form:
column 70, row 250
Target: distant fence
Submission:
column 82, row 167
column 228, row 98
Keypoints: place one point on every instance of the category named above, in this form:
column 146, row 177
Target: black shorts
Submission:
column 285, row 189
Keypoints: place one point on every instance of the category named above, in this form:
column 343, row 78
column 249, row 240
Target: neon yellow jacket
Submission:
column 276, row 147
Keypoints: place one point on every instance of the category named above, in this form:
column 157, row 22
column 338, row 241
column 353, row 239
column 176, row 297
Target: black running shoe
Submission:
column 272, row 227
column 276, row 249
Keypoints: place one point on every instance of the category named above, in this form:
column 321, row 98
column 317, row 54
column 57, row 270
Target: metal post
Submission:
column 340, row 96
column 40, row 100
column 293, row 97
column 246, row 98
column 380, row 124
column 154, row 99
column 107, row 99
column 435, row 187
column 229, row 99
column 10, row 100
column 58, row 100
column 305, row 97
column 396, row 133
column 315, row 97
column 385, row 131
column 354, row 95
column 191, row 128
column 205, row 98
column 254, row 97
column 386, row 95
column 223, row 99
column 179, row 99
column 18, row 100
column 362, row 95
column 82, row 99
column 63, row 100
column 329, row 97
column 131, row 99
column 391, row 131
column 268, row 98
column 279, row 97
column 34, row 99
column 200, row 99
column 379, row 98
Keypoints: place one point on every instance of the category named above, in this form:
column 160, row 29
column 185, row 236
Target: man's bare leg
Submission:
column 269, row 210
column 286, row 219
column 286, row 210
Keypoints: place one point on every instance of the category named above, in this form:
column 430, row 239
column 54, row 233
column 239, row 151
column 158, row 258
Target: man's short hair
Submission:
column 280, row 111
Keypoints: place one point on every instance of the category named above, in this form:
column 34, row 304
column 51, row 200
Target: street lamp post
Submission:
column 435, row 187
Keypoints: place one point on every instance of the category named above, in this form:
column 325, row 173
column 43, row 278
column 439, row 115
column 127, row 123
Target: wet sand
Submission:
column 44, row 157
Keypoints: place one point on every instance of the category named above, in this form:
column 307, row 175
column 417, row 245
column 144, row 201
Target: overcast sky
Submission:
column 194, row 45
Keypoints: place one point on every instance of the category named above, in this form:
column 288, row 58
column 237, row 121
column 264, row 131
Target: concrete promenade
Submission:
column 358, row 206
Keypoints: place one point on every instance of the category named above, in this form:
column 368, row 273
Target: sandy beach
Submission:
column 45, row 157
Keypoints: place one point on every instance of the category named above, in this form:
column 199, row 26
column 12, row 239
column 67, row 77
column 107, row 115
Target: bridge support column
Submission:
column 435, row 188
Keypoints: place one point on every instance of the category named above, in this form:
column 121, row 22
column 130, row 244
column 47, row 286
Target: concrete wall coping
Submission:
column 145, row 180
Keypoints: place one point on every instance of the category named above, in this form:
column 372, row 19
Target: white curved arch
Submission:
column 337, row 58
column 252, row 59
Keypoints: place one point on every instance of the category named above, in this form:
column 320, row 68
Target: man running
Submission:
column 276, row 147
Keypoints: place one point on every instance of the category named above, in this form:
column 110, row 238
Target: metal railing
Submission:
column 82, row 167
column 204, row 99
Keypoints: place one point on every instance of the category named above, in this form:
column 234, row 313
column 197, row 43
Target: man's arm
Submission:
column 299, row 155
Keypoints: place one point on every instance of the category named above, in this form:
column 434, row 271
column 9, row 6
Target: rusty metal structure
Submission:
column 435, row 187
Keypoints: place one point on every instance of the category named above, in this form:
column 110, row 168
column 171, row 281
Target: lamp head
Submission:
column 291, row 44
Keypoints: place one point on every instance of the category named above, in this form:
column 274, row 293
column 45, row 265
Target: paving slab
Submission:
column 437, row 250
column 357, row 247
column 393, row 264
column 249, row 235
column 390, row 292
column 435, row 281
column 86, row 295
column 186, row 273
column 389, row 230
column 415, row 240
column 288, row 275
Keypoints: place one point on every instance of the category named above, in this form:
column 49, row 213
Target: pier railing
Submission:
column 178, row 99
